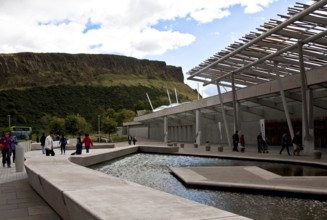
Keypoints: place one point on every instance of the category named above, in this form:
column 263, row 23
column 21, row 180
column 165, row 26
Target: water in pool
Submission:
column 152, row 170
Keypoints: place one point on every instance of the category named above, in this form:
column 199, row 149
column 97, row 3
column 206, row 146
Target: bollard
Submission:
column 19, row 160
column 182, row 145
column 220, row 149
column 208, row 147
column 196, row 145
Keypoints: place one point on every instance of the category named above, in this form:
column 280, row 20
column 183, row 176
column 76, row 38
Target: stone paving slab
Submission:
column 14, row 185
column 19, row 201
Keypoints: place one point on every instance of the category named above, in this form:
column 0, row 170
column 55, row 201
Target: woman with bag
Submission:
column 6, row 151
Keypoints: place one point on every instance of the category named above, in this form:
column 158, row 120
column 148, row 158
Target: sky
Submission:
column 180, row 32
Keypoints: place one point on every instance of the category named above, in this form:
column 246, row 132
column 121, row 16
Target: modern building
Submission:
column 277, row 75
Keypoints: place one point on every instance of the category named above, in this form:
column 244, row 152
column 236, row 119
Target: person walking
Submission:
column 14, row 143
column 42, row 140
column 63, row 143
column 259, row 142
column 285, row 144
column 49, row 145
column 6, row 151
column 87, row 141
column 134, row 140
column 129, row 138
column 297, row 143
column 236, row 140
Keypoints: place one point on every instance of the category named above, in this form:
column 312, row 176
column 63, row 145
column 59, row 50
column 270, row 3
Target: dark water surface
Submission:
column 152, row 170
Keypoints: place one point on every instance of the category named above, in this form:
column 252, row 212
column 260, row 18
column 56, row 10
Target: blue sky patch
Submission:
column 94, row 46
column 91, row 26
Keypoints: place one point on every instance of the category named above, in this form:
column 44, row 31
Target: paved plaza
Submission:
column 19, row 201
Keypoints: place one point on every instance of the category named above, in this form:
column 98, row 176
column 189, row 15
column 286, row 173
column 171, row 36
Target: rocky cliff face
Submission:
column 31, row 69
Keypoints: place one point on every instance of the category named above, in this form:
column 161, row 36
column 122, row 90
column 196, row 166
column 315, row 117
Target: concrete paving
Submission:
column 19, row 201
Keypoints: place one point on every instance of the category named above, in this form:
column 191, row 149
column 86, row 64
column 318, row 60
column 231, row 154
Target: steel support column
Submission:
column 235, row 107
column 166, row 129
column 198, row 126
column 307, row 138
column 287, row 115
column 224, row 116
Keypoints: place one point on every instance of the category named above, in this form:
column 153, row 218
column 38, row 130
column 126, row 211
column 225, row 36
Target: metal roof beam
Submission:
column 309, row 39
column 285, row 23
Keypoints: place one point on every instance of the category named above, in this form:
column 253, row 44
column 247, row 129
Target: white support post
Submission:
column 198, row 126
column 166, row 129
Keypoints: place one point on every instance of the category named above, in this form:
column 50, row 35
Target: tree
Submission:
column 109, row 126
column 57, row 125
column 125, row 115
column 75, row 124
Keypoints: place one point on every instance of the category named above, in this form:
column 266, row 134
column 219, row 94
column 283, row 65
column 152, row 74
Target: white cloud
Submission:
column 125, row 26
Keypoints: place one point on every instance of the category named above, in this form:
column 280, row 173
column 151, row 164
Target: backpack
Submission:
column 64, row 141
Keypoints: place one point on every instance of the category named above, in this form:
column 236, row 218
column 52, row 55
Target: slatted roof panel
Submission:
column 246, row 59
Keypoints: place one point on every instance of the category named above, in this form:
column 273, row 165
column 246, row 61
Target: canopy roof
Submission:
column 274, row 48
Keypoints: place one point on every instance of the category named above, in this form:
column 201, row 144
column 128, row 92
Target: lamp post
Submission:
column 9, row 121
column 99, row 128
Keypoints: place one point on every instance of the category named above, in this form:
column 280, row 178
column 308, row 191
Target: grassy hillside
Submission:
column 34, row 85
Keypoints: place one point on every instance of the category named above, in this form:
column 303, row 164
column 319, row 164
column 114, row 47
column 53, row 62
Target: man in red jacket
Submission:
column 87, row 142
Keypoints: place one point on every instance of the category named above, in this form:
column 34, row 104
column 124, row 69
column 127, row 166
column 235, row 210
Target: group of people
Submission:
column 8, row 147
column 47, row 144
column 238, row 141
column 296, row 142
column 131, row 139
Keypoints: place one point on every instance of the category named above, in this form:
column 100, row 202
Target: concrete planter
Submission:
column 175, row 144
column 317, row 154
column 170, row 144
column 196, row 145
column 182, row 145
column 208, row 147
column 220, row 149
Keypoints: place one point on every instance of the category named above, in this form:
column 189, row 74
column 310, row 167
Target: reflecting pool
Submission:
column 152, row 170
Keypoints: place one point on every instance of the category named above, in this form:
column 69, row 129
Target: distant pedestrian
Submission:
column 259, row 140
column 236, row 140
column 134, row 140
column 63, row 143
column 129, row 138
column 79, row 146
column 14, row 143
column 285, row 144
column 87, row 141
column 6, row 149
column 42, row 140
column 49, row 145
column 297, row 143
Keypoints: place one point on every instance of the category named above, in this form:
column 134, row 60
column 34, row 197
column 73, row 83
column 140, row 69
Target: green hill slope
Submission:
column 35, row 84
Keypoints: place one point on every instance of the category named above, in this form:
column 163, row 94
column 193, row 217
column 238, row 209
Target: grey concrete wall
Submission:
column 76, row 192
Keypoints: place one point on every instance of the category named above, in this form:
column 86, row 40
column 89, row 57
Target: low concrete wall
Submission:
column 76, row 192
column 97, row 146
